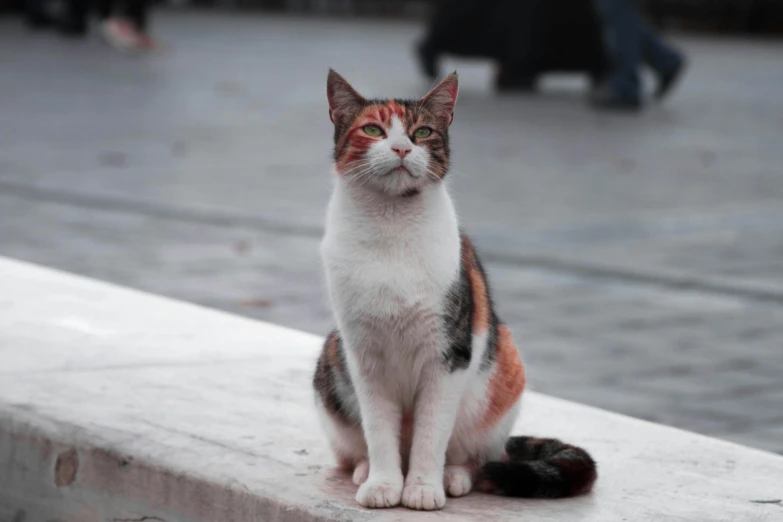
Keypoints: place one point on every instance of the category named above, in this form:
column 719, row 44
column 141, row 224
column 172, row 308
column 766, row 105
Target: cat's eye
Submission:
column 372, row 130
column 422, row 132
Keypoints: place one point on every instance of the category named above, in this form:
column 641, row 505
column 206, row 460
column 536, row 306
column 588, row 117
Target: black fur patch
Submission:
column 492, row 338
column 326, row 377
column 490, row 353
column 458, row 321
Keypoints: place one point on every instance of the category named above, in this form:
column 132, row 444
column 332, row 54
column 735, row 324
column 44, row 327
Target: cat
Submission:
column 420, row 385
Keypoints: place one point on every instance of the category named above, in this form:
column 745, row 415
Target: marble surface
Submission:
column 119, row 405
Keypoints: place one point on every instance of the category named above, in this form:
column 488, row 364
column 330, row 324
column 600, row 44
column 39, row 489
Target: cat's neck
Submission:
column 375, row 213
column 372, row 204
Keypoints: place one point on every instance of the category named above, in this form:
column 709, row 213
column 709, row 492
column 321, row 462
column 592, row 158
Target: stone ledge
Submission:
column 117, row 405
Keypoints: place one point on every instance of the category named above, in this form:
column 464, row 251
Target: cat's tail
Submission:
column 539, row 468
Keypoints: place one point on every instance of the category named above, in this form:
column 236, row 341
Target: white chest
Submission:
column 387, row 263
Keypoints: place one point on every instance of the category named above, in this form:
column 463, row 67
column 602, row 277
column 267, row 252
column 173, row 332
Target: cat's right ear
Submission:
column 344, row 101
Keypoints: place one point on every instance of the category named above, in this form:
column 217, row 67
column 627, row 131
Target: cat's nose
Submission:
column 401, row 150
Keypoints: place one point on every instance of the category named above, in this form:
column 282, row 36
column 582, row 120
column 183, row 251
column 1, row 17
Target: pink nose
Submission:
column 401, row 150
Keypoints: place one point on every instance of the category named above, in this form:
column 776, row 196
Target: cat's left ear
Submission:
column 442, row 98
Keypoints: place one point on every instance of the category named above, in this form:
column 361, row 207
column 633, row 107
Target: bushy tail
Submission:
column 539, row 468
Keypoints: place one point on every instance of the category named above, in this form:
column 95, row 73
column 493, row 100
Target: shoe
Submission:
column 73, row 28
column 506, row 80
column 604, row 98
column 146, row 43
column 428, row 60
column 37, row 20
column 667, row 82
column 121, row 34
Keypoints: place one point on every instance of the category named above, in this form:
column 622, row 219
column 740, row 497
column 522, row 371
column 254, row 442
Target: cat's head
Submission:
column 397, row 147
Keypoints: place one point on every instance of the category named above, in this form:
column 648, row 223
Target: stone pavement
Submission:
column 639, row 260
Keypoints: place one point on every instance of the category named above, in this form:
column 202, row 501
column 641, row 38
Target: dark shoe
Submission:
column 428, row 60
column 597, row 80
column 508, row 80
column 667, row 82
column 605, row 99
column 37, row 21
column 73, row 28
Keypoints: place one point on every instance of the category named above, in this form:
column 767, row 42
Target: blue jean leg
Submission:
column 632, row 42
column 622, row 27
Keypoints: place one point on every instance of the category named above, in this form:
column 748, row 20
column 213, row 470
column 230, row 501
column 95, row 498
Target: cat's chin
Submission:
column 405, row 185
column 396, row 183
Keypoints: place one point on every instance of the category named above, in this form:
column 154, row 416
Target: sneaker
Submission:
column 73, row 28
column 667, row 82
column 146, row 43
column 506, row 80
column 37, row 20
column 604, row 98
column 120, row 34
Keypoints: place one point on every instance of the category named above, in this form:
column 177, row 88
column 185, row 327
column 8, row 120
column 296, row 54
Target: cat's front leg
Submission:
column 381, row 421
column 435, row 414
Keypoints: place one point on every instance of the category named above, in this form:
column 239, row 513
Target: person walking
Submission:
column 525, row 38
column 123, row 23
column 631, row 42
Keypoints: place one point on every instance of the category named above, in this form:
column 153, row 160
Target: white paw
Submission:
column 457, row 481
column 360, row 472
column 380, row 492
column 424, row 496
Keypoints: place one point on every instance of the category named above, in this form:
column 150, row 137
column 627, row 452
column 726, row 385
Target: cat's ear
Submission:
column 442, row 98
column 344, row 101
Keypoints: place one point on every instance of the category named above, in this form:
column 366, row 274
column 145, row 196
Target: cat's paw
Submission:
column 457, row 480
column 380, row 492
column 424, row 496
column 361, row 471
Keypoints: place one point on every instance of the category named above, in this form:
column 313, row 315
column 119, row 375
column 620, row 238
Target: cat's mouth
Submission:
column 402, row 169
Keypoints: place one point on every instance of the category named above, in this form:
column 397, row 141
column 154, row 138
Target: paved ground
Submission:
column 639, row 260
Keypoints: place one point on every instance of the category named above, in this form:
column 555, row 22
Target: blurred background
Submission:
column 636, row 253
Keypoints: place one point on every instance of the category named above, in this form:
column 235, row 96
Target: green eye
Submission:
column 422, row 132
column 372, row 130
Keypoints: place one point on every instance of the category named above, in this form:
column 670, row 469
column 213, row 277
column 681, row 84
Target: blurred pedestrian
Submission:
column 524, row 37
column 458, row 27
column 123, row 24
column 632, row 42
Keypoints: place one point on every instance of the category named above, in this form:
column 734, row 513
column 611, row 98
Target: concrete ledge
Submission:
column 120, row 406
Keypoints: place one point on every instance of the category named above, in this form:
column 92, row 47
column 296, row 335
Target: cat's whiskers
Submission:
column 356, row 167
column 434, row 176
column 357, row 172
column 455, row 173
column 359, row 176
column 360, row 179
column 433, row 171
column 366, row 179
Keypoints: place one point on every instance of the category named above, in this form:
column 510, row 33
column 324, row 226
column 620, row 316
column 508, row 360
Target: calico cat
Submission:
column 420, row 385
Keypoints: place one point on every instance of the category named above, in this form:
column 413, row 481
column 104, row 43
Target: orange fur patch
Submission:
column 332, row 354
column 480, row 301
column 479, row 288
column 508, row 380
